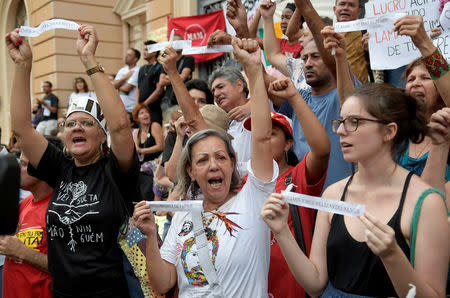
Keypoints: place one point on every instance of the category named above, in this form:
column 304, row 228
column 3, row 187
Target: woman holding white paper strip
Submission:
column 369, row 256
column 237, row 245
column 94, row 185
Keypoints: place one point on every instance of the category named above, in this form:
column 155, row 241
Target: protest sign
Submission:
column 387, row 49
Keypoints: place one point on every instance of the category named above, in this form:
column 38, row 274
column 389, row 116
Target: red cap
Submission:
column 277, row 119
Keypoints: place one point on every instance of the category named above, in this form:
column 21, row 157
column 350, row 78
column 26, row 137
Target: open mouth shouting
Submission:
column 215, row 182
column 78, row 140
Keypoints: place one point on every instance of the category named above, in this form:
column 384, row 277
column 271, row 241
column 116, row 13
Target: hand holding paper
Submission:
column 169, row 60
column 144, row 219
column 333, row 40
column 275, row 213
column 380, row 237
column 87, row 45
column 19, row 49
column 412, row 26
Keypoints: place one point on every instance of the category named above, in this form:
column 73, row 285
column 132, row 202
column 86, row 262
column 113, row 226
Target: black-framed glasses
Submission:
column 350, row 123
column 85, row 123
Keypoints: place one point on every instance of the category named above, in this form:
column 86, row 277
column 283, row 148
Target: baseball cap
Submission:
column 278, row 119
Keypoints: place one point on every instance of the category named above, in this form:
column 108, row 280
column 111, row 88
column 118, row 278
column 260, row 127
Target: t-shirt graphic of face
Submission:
column 192, row 269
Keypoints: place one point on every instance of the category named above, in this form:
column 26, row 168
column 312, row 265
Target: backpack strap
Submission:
column 415, row 220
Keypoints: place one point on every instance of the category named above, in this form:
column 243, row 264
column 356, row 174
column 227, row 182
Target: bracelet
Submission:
column 436, row 64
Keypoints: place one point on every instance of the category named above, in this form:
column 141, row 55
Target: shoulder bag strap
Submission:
column 203, row 254
column 415, row 220
column 296, row 221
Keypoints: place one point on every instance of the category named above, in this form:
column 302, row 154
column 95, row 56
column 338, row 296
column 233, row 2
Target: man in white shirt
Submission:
column 230, row 92
column 126, row 79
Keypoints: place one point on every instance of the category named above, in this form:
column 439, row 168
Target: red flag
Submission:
column 198, row 29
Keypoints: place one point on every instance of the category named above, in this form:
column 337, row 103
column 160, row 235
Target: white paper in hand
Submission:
column 46, row 26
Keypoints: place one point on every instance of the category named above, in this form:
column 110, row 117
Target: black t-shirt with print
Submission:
column 84, row 216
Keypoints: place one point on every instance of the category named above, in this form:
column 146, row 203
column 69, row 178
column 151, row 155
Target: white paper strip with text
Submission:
column 207, row 50
column 176, row 44
column 47, row 25
column 323, row 204
column 190, row 205
column 385, row 21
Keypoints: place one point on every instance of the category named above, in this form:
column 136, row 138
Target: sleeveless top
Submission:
column 149, row 142
column 352, row 266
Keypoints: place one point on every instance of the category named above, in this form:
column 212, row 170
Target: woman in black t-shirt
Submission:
column 93, row 185
column 148, row 138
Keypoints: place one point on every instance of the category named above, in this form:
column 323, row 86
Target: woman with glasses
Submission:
column 93, row 185
column 369, row 255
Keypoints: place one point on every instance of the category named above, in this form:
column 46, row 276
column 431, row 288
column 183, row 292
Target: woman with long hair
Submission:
column 190, row 254
column 306, row 177
column 148, row 138
column 370, row 255
column 80, row 89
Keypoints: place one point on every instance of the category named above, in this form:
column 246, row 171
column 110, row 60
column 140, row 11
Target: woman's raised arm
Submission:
column 117, row 120
column 32, row 143
column 249, row 53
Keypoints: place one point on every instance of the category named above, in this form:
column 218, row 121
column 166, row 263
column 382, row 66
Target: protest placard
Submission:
column 387, row 49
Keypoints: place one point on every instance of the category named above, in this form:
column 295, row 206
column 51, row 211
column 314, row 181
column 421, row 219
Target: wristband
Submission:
column 436, row 64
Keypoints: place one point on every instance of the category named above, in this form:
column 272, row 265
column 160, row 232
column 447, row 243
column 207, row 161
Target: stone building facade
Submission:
column 121, row 24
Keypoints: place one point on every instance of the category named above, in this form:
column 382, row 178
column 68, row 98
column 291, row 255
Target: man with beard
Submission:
column 323, row 100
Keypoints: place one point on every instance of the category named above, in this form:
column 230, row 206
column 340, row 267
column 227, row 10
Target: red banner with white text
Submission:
column 198, row 28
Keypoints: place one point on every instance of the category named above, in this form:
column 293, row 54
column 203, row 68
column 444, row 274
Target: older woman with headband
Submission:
column 236, row 260
column 93, row 186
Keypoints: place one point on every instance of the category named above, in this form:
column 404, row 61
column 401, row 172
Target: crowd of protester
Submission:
column 319, row 122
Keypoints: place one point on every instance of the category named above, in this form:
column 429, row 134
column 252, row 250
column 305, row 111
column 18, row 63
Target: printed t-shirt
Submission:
column 84, row 216
column 20, row 279
column 290, row 50
column 241, row 260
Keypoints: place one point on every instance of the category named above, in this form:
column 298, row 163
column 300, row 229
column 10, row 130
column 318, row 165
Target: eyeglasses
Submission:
column 350, row 123
column 85, row 123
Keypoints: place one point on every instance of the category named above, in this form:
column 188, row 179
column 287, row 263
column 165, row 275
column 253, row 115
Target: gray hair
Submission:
column 230, row 74
column 183, row 178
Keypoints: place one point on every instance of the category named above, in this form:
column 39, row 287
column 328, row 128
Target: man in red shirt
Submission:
column 25, row 273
